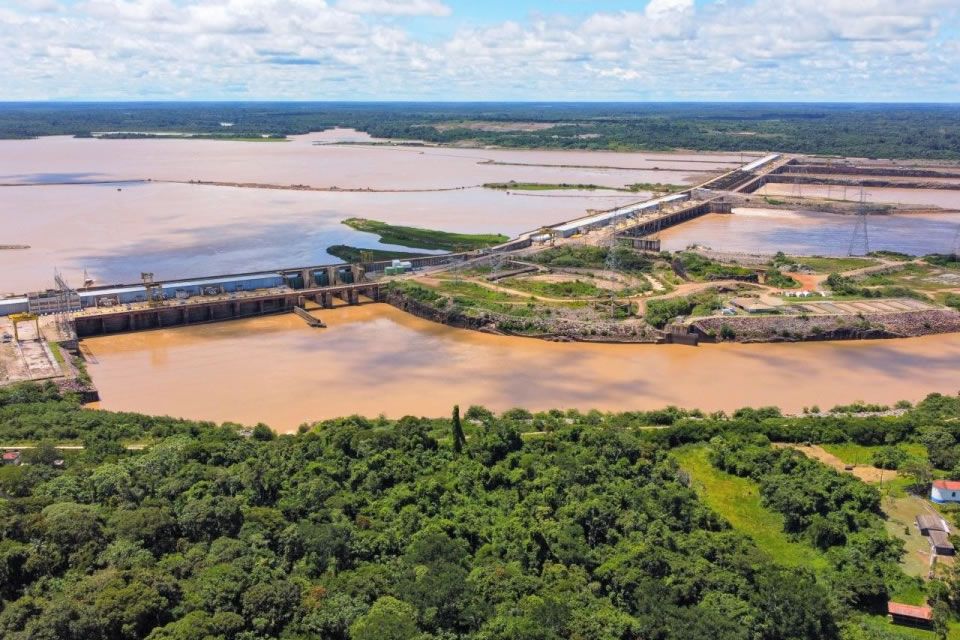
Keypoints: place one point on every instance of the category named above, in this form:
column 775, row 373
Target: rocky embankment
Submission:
column 817, row 328
column 745, row 329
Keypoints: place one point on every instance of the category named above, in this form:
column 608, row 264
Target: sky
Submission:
column 537, row 50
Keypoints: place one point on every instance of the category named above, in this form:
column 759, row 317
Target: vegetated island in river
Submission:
column 615, row 294
column 656, row 187
column 418, row 238
column 669, row 524
column 414, row 237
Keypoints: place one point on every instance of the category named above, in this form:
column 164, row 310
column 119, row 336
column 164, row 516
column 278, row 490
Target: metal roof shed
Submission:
column 940, row 543
column 926, row 524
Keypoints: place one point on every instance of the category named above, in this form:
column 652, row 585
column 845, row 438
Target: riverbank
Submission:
column 375, row 358
column 740, row 329
column 809, row 328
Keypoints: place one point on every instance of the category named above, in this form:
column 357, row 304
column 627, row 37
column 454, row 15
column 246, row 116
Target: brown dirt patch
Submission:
column 808, row 281
column 867, row 473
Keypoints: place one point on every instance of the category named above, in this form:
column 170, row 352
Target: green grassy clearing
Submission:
column 477, row 292
column 831, row 265
column 738, row 500
column 912, row 275
column 418, row 238
column 575, row 289
column 902, row 512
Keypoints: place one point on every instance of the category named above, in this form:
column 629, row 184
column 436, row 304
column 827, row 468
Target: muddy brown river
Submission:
column 374, row 359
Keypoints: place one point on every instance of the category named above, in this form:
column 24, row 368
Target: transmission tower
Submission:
column 497, row 263
column 861, row 236
column 611, row 263
column 66, row 302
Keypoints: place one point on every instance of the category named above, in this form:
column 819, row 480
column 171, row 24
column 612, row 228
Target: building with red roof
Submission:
column 945, row 491
column 909, row 614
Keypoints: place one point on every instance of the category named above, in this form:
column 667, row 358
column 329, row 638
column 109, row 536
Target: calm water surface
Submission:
column 116, row 231
column 374, row 359
column 814, row 233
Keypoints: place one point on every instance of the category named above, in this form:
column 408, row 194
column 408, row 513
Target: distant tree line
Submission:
column 867, row 130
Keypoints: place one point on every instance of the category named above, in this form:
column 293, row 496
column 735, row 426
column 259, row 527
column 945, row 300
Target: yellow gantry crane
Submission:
column 17, row 318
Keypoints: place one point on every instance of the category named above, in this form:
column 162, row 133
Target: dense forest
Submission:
column 520, row 526
column 868, row 130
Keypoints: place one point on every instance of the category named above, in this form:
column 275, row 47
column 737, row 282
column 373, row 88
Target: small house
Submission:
column 940, row 543
column 945, row 491
column 11, row 457
column 910, row 615
column 926, row 524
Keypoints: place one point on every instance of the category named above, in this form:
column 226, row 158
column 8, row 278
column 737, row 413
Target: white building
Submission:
column 945, row 491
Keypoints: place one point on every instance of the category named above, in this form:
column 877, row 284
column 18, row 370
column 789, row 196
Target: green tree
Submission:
column 459, row 440
column 388, row 619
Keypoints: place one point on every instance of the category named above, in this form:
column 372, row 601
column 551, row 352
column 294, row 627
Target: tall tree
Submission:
column 459, row 440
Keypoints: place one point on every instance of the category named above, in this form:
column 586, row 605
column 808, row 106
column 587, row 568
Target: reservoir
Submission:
column 815, row 233
column 374, row 359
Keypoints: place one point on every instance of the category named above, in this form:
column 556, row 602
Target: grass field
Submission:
column 576, row 289
column 738, row 500
column 902, row 512
column 859, row 454
column 831, row 265
column 418, row 238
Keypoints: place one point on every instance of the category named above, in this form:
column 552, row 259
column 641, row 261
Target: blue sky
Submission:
column 734, row 50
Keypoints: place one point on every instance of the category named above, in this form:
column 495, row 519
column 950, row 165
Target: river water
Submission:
column 946, row 198
column 116, row 231
column 374, row 359
column 113, row 232
column 300, row 161
column 183, row 230
column 815, row 233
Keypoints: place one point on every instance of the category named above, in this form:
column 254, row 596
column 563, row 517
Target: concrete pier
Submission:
column 175, row 313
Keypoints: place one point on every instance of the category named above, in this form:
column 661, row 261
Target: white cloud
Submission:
column 358, row 49
column 396, row 7
column 40, row 5
column 661, row 8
